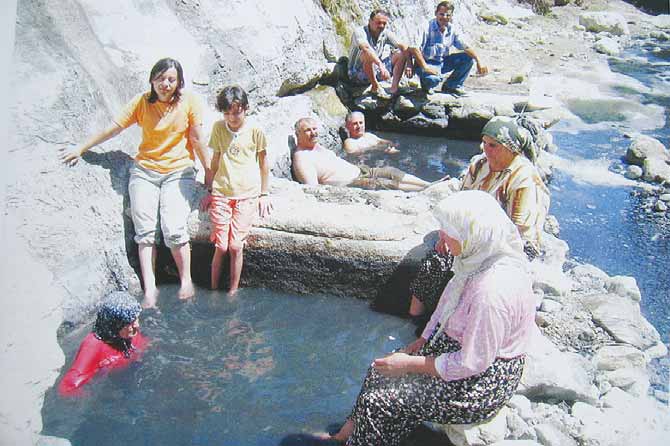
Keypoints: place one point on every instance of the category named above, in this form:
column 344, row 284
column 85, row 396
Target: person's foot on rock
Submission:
column 455, row 91
column 186, row 291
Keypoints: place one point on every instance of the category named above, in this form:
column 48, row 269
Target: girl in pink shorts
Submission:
column 238, row 187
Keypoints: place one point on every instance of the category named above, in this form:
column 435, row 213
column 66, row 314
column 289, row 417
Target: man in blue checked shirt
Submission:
column 433, row 60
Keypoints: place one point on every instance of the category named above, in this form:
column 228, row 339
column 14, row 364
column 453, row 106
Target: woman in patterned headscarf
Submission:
column 469, row 359
column 513, row 181
column 115, row 341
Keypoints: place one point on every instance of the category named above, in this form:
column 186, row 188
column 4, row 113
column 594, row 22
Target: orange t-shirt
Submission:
column 165, row 127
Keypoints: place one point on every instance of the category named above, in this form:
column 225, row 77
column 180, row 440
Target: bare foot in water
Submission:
column 150, row 298
column 186, row 291
column 233, row 292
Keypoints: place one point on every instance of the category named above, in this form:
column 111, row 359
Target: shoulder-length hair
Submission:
column 161, row 67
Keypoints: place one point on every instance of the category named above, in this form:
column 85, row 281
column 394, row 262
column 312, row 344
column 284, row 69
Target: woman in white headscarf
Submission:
column 469, row 359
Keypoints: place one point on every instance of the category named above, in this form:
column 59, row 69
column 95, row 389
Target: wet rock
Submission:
column 656, row 351
column 610, row 22
column 608, row 46
column 656, row 170
column 643, row 147
column 660, row 206
column 624, row 286
column 659, row 35
column 633, row 172
column 664, row 197
column 613, row 357
column 621, row 318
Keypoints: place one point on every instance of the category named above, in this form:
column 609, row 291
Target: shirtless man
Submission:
column 375, row 51
column 360, row 141
column 314, row 164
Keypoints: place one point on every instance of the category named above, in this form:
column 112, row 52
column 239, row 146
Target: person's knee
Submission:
column 236, row 246
column 175, row 237
column 145, row 237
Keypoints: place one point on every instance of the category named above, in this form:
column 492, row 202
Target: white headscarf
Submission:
column 486, row 235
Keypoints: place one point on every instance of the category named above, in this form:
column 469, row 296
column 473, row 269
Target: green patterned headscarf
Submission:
column 510, row 134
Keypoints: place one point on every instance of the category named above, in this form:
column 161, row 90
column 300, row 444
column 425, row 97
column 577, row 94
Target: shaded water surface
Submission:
column 257, row 370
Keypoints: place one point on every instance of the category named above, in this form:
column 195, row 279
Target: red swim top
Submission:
column 94, row 355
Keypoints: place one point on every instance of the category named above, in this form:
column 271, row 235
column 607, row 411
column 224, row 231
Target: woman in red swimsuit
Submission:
column 114, row 342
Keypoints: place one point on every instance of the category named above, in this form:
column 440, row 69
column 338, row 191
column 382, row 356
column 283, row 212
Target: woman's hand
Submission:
column 395, row 364
column 206, row 202
column 70, row 157
column 414, row 347
column 264, row 206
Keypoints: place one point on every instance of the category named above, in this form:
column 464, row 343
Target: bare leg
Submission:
column 369, row 70
column 182, row 257
column 410, row 183
column 421, row 62
column 236, row 261
column 217, row 261
column 416, row 307
column 398, row 61
column 147, row 255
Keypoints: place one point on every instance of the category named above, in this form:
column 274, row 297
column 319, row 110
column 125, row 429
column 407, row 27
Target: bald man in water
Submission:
column 359, row 141
column 314, row 164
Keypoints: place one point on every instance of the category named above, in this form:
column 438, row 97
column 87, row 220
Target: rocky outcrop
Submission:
column 74, row 67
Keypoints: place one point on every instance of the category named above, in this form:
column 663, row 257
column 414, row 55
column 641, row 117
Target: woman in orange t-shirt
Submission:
column 162, row 179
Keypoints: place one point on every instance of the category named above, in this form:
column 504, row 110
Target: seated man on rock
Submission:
column 375, row 53
column 359, row 141
column 432, row 59
column 314, row 164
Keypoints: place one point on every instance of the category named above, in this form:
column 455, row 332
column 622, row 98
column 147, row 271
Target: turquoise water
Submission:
column 262, row 369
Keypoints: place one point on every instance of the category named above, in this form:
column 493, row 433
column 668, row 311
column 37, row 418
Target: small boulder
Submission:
column 621, row 318
column 633, row 172
column 624, row 286
column 479, row 434
column 656, row 170
column 643, row 147
column 607, row 46
column 613, row 357
column 610, row 22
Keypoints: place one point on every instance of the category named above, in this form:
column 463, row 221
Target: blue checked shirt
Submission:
column 435, row 44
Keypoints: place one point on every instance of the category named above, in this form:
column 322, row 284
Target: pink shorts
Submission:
column 232, row 220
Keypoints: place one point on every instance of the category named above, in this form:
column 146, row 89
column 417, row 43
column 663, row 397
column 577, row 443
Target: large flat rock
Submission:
column 621, row 318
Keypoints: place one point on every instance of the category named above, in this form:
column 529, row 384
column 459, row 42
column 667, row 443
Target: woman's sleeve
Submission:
column 128, row 116
column 83, row 368
column 195, row 110
column 485, row 329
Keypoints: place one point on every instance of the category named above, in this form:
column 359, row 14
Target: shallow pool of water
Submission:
column 254, row 370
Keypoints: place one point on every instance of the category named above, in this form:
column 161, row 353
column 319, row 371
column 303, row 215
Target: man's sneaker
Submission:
column 458, row 91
